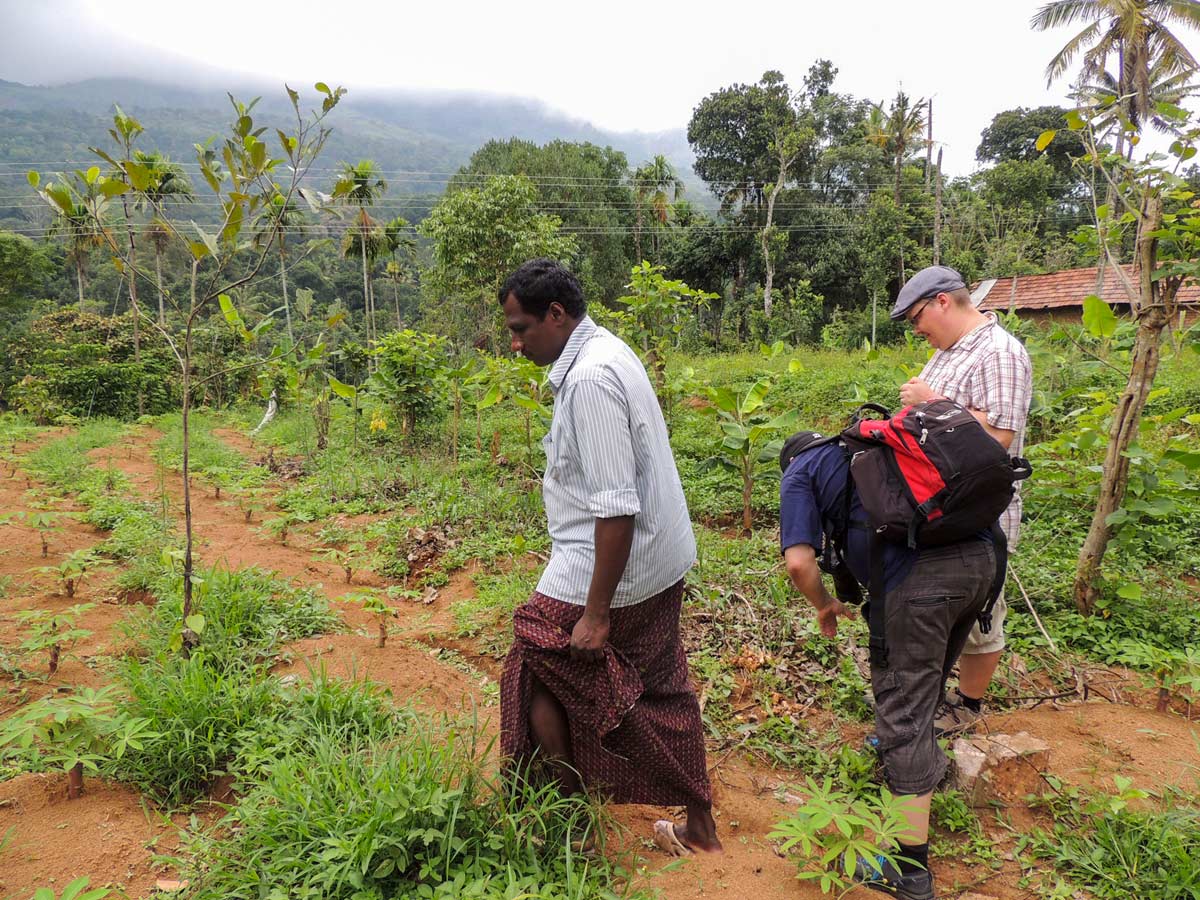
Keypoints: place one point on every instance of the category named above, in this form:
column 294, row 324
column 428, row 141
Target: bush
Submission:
column 415, row 818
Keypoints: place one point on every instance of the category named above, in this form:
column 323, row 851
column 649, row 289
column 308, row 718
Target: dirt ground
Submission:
column 113, row 836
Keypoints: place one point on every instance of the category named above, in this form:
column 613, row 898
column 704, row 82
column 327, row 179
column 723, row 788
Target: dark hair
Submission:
column 538, row 283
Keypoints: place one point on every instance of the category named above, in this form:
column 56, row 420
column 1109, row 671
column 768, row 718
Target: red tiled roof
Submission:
column 1066, row 288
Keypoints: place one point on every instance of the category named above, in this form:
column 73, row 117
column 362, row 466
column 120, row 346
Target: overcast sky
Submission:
column 621, row 65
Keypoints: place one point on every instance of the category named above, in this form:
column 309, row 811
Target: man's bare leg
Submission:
column 975, row 671
column 552, row 733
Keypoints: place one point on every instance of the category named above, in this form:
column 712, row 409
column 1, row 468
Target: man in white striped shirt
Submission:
column 597, row 681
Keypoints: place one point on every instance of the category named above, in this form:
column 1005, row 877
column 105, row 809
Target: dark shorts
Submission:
column 929, row 616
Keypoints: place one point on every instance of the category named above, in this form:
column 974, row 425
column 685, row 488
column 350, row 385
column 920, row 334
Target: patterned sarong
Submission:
column 636, row 733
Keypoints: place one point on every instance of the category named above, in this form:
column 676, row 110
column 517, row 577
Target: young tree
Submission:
column 241, row 178
column 1158, row 207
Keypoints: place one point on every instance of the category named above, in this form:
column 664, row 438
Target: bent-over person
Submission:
column 596, row 684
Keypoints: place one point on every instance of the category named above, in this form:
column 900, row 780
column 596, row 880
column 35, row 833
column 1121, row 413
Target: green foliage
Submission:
column 414, row 817
column 52, row 630
column 752, row 433
column 1117, row 846
column 85, row 729
column 73, row 891
column 248, row 615
column 838, row 829
column 412, row 374
column 479, row 236
column 199, row 715
column 77, row 363
column 74, row 568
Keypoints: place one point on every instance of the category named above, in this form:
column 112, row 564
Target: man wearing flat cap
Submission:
column 982, row 367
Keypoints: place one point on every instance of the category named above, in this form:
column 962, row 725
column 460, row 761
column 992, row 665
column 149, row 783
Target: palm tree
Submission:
column 76, row 223
column 1136, row 32
column 277, row 218
column 361, row 185
column 366, row 241
column 897, row 132
column 398, row 239
column 656, row 185
column 167, row 182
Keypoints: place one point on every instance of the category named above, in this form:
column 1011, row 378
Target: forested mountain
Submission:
column 429, row 136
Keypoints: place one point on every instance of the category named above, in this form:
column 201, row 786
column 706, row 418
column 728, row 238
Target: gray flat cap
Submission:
column 929, row 282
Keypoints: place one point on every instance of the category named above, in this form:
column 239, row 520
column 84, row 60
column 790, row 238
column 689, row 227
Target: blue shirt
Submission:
column 811, row 494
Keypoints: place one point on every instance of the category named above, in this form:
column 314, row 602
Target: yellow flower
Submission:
column 378, row 422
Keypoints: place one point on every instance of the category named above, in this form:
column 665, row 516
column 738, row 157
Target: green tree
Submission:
column 479, row 236
column 279, row 217
column 1013, row 134
column 80, row 206
column 586, row 186
column 25, row 268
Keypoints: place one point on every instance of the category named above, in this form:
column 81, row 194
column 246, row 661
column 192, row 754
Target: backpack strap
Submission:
column 877, row 603
column 1000, row 545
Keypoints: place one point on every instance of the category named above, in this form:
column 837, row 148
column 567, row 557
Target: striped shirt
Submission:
column 988, row 369
column 608, row 455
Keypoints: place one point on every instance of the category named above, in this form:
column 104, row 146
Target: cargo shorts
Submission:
column 928, row 617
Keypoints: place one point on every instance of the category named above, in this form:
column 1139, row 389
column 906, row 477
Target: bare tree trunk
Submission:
column 765, row 236
column 79, row 281
column 637, row 234
column 396, row 297
column 190, row 639
column 162, row 313
column 287, row 309
column 1151, row 317
column 929, row 146
column 133, row 302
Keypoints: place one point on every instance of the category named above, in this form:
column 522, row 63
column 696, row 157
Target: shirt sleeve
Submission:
column 600, row 416
column 799, row 514
column 1006, row 382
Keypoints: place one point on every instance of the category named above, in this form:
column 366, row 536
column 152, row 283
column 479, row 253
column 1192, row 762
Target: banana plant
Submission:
column 751, row 434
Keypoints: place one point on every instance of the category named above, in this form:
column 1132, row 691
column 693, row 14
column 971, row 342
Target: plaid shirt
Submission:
column 988, row 369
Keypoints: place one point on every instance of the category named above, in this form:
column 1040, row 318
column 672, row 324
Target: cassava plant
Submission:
column 52, row 631
column 75, row 732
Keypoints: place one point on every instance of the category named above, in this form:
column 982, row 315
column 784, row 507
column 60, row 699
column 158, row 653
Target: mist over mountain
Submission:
column 417, row 139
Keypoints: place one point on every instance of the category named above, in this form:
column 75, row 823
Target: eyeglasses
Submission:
column 917, row 316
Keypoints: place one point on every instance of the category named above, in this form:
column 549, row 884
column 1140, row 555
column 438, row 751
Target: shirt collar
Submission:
column 975, row 335
column 581, row 335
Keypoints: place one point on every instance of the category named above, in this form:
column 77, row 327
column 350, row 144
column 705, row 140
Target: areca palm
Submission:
column 166, row 182
column 656, row 185
column 277, row 218
column 1136, row 32
column 78, row 222
column 360, row 184
column 397, row 238
column 897, row 132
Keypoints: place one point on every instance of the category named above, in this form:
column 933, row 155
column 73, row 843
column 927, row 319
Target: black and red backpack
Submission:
column 930, row 474
column 927, row 475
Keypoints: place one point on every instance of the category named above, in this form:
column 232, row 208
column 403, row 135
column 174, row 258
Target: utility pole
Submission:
column 929, row 144
column 937, row 214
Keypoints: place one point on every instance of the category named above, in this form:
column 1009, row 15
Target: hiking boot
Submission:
column 880, row 875
column 953, row 716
